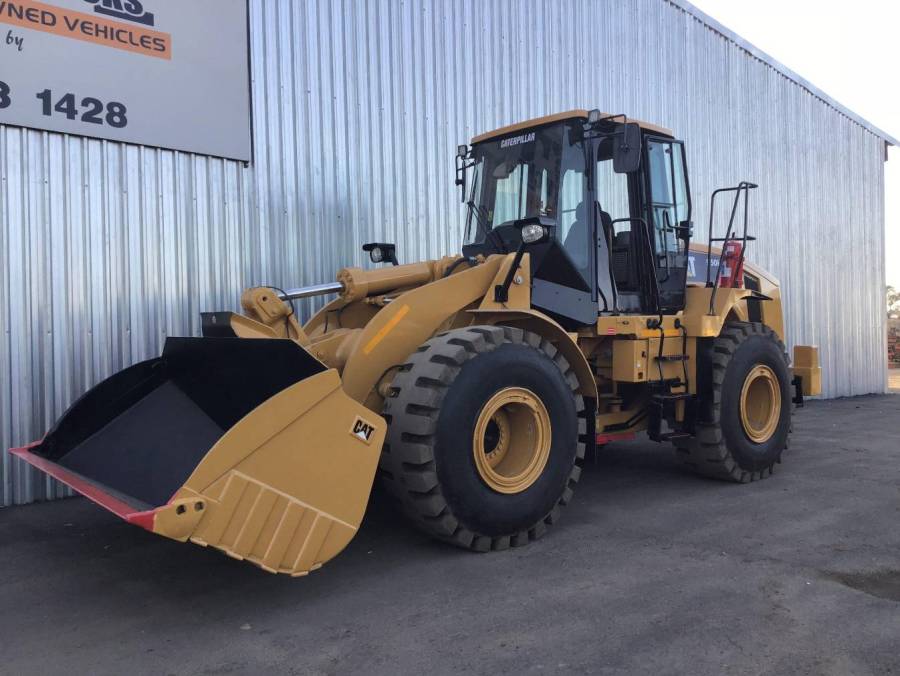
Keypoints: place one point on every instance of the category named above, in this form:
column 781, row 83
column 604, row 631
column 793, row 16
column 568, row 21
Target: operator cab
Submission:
column 613, row 196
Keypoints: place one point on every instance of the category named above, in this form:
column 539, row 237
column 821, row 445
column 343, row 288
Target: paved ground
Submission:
column 651, row 571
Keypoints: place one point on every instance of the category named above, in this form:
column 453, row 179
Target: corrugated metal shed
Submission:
column 107, row 248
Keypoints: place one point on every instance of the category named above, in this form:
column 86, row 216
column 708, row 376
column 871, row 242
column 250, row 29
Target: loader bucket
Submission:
column 247, row 445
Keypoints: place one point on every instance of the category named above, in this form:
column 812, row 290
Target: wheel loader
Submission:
column 577, row 313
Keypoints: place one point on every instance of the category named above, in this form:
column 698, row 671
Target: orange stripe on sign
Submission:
column 386, row 329
column 40, row 16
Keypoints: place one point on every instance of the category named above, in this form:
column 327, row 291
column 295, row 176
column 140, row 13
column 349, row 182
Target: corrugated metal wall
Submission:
column 106, row 249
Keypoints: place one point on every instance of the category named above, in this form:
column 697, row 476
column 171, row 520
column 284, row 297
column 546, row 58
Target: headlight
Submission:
column 376, row 254
column 532, row 234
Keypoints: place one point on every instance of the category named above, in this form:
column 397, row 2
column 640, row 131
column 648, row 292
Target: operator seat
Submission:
column 622, row 263
column 577, row 241
column 606, row 222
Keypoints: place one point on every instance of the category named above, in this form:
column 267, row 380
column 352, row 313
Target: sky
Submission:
column 849, row 50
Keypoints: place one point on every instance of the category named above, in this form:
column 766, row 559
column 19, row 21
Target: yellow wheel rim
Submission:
column 511, row 443
column 760, row 404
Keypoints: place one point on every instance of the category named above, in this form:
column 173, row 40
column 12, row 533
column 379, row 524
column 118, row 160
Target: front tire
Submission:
column 485, row 432
column 745, row 421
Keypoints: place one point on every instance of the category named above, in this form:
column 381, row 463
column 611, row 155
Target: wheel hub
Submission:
column 511, row 442
column 760, row 404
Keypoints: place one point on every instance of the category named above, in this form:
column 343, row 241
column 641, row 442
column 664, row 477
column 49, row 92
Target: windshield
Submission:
column 515, row 177
column 534, row 173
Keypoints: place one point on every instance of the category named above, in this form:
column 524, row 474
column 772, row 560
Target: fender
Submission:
column 541, row 324
column 729, row 304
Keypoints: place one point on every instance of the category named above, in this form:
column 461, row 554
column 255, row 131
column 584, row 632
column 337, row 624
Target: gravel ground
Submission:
column 651, row 570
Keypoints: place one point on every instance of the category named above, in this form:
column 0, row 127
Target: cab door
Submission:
column 667, row 207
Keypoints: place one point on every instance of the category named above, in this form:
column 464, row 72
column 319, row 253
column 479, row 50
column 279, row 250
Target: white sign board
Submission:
column 167, row 73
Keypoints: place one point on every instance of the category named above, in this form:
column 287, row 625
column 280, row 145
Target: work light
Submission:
column 531, row 234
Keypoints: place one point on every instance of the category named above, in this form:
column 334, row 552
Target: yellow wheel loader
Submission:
column 576, row 314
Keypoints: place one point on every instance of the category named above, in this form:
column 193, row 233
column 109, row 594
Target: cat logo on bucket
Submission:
column 362, row 430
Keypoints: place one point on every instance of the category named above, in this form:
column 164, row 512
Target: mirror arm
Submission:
column 461, row 177
column 463, row 164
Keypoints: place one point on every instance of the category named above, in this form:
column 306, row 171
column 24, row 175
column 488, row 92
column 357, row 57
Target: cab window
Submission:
column 668, row 193
column 611, row 190
column 573, row 223
column 509, row 202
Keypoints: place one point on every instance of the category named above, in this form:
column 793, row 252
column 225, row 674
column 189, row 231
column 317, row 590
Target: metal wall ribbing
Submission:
column 108, row 248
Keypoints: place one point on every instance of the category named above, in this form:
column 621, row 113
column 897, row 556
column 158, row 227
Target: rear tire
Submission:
column 485, row 433
column 744, row 424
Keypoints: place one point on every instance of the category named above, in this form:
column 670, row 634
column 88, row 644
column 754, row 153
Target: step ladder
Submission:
column 663, row 403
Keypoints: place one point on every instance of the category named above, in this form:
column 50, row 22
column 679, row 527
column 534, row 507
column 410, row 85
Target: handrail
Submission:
column 742, row 188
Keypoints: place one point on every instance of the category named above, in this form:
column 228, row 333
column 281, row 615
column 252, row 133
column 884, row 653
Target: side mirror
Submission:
column 627, row 151
column 381, row 252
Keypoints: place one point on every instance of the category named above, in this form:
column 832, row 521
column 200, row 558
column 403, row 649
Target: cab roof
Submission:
column 557, row 117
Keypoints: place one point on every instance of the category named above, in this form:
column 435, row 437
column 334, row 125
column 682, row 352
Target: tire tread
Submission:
column 406, row 466
column 707, row 452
